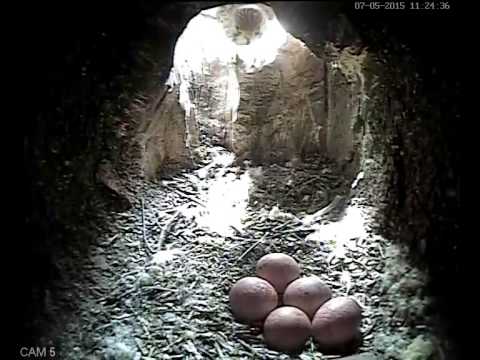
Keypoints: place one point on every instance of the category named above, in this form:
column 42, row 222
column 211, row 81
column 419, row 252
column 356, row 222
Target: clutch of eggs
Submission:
column 291, row 308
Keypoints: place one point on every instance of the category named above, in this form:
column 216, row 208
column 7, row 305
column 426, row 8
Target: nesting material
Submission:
column 336, row 325
column 307, row 294
column 189, row 291
column 287, row 329
column 252, row 299
column 278, row 269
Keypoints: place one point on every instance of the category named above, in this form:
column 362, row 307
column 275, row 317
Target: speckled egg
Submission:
column 336, row 325
column 286, row 329
column 278, row 269
column 252, row 299
column 308, row 294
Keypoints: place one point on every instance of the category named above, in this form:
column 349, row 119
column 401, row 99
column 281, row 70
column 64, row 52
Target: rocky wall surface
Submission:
column 413, row 148
column 281, row 114
column 212, row 93
column 345, row 102
column 164, row 137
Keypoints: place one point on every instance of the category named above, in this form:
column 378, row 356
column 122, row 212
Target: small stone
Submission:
column 145, row 279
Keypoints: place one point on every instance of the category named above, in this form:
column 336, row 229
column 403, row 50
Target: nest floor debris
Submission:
column 155, row 282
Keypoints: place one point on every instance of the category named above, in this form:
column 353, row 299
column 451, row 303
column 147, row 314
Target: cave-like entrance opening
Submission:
column 248, row 85
column 216, row 46
column 251, row 89
column 253, row 95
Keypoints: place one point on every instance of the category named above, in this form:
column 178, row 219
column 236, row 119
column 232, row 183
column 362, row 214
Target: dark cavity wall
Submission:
column 89, row 60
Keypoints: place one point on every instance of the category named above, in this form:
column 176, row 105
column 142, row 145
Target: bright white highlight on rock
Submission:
column 225, row 201
column 341, row 235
